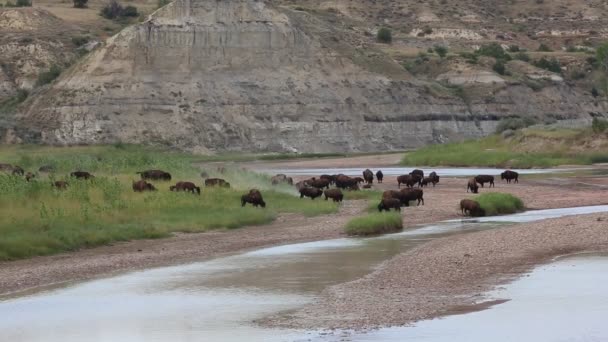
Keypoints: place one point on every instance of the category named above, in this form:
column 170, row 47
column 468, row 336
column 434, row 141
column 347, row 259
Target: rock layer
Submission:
column 244, row 75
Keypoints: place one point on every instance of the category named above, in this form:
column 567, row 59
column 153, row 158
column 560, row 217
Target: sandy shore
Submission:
column 449, row 275
column 441, row 203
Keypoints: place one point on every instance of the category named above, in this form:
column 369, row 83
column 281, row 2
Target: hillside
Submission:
column 309, row 76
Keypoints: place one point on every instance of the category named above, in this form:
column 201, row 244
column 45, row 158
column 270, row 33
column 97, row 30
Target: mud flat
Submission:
column 447, row 276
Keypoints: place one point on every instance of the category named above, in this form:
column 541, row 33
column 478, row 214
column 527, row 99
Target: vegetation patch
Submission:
column 496, row 203
column 38, row 219
column 375, row 224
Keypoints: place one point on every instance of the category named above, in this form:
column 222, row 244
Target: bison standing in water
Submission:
column 154, row 175
column 482, row 179
column 472, row 208
column 335, row 194
column 368, row 176
column 186, row 186
column 472, row 185
column 311, row 192
column 379, row 176
column 510, row 176
column 81, row 175
column 254, row 197
column 388, row 203
column 142, row 185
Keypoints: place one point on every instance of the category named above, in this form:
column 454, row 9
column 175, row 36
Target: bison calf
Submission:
column 142, row 185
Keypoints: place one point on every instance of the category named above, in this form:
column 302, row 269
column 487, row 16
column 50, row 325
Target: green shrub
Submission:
column 384, row 35
column 522, row 56
column 552, row 65
column 23, row 3
column 494, row 50
column 544, row 48
column 80, row 40
column 514, row 124
column 113, row 10
column 441, row 50
column 513, row 48
column 594, row 92
column 499, row 67
column 599, row 125
column 374, row 224
column 496, row 203
column 130, row 11
column 48, row 76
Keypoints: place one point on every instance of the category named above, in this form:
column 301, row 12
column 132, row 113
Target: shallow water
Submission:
column 396, row 171
column 563, row 301
column 215, row 300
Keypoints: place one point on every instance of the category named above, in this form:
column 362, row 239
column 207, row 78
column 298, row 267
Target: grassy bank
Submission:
column 528, row 148
column 36, row 219
column 374, row 224
column 495, row 203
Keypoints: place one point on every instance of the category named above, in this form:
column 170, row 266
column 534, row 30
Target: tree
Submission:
column 602, row 56
column 384, row 35
column 80, row 3
column 441, row 51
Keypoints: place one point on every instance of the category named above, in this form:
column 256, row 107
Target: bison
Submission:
column 217, row 182
column 254, row 197
column 81, row 175
column 335, row 194
column 186, row 186
column 330, row 178
column 281, row 178
column 368, row 176
column 388, row 204
column 155, row 175
column 471, row 207
column 61, row 185
column 142, row 185
column 408, row 180
column 472, row 185
column 379, row 176
column 417, row 172
column 345, row 182
column 412, row 195
column 13, row 169
column 311, row 192
column 482, row 179
column 318, row 183
column 46, row 169
column 433, row 175
column 359, row 180
column 510, row 176
column 29, row 176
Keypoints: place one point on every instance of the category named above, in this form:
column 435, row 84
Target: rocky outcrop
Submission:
column 244, row 75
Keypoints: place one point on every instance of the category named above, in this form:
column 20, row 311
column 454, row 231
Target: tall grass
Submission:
column 37, row 219
column 495, row 151
column 495, row 203
column 374, row 224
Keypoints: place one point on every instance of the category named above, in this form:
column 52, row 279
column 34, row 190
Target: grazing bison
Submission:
column 318, row 183
column 417, row 172
column 155, row 175
column 46, row 168
column 186, row 186
column 13, row 169
column 330, row 178
column 335, row 194
column 345, row 182
column 311, row 192
column 379, row 176
column 472, row 185
column 81, row 175
column 61, row 185
column 281, row 178
column 472, row 208
column 254, row 197
column 388, row 204
column 29, row 176
column 217, row 182
column 510, row 176
column 396, row 195
column 368, row 176
column 412, row 195
column 408, row 180
column 482, row 179
column 142, row 185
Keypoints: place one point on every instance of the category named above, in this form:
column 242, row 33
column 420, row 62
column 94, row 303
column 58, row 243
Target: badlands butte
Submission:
column 297, row 76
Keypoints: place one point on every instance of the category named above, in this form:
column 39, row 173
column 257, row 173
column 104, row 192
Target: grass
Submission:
column 374, row 224
column 36, row 219
column 495, row 203
column 529, row 148
column 362, row 195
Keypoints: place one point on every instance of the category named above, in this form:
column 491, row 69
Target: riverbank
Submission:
column 447, row 276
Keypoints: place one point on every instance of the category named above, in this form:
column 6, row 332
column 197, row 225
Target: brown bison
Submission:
column 433, row 175
column 254, row 197
column 388, row 204
column 472, row 208
column 412, row 195
column 379, row 176
column 186, row 186
column 368, row 176
column 345, row 182
column 81, row 175
column 217, row 182
column 482, row 179
column 61, row 185
column 318, row 183
column 418, row 172
column 46, row 168
column 472, row 185
column 12, row 169
column 359, row 180
column 154, row 175
column 29, row 176
column 408, row 180
column 396, row 195
column 330, row 178
column 335, row 194
column 142, row 185
column 311, row 192
column 281, row 178
column 510, row 176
